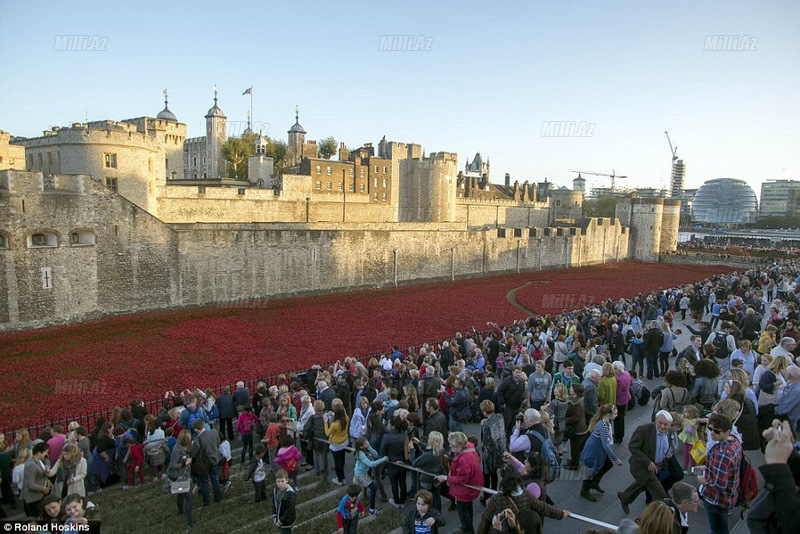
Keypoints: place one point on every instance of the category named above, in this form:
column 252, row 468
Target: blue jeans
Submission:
column 247, row 443
column 202, row 480
column 650, row 359
column 717, row 518
column 455, row 426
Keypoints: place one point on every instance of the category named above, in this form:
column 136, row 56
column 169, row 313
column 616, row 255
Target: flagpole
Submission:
column 251, row 102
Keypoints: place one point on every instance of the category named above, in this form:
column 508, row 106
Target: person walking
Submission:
column 597, row 454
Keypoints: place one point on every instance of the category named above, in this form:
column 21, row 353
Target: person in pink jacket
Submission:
column 624, row 382
column 287, row 458
column 465, row 468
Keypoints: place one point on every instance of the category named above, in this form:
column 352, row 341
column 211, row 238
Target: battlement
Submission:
column 100, row 133
column 443, row 156
column 17, row 182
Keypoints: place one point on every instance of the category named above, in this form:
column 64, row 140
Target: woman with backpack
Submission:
column 493, row 444
column 674, row 396
column 560, row 352
column 180, row 469
column 704, row 390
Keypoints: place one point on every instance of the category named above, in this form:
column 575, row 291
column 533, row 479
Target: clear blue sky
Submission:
column 493, row 74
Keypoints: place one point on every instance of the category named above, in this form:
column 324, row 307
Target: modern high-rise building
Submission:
column 780, row 198
column 678, row 179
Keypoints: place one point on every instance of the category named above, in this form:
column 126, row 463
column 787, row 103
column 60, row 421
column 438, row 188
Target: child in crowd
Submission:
column 424, row 519
column 133, row 461
column 169, row 434
column 676, row 427
column 367, row 458
column 80, row 512
column 284, row 500
column 244, row 427
column 224, row 466
column 258, row 472
column 287, row 458
column 52, row 511
column 689, row 434
column 636, row 387
column 272, row 438
column 350, row 509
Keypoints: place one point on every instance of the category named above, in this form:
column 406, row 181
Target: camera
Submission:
column 520, row 417
column 698, row 470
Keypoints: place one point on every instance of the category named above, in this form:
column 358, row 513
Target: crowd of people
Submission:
column 548, row 395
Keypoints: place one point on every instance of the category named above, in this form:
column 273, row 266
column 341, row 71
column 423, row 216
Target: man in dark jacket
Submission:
column 429, row 389
column 227, row 412
column 653, row 339
column 616, row 343
column 651, row 449
column 512, row 395
column 436, row 418
column 208, row 441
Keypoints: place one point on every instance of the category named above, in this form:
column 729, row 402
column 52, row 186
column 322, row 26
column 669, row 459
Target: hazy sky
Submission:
column 488, row 75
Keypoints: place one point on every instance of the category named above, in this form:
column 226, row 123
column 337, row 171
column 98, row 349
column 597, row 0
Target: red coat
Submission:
column 465, row 468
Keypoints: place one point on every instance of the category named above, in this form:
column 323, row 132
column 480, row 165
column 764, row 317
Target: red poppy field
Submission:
column 60, row 372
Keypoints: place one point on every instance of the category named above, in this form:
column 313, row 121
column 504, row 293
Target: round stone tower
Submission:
column 670, row 224
column 646, row 219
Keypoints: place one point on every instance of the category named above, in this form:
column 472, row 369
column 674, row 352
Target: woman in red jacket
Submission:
column 465, row 468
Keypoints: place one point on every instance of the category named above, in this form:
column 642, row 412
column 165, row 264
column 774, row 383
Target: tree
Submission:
column 604, row 206
column 327, row 147
column 236, row 150
column 277, row 150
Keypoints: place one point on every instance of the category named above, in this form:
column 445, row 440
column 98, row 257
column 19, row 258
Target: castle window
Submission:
column 362, row 173
column 376, row 182
column 384, row 183
column 352, row 173
column 328, row 171
column 111, row 183
column 352, row 188
column 194, row 162
column 319, row 185
column 241, row 191
column 375, row 197
column 39, row 157
column 361, row 187
column 3, row 242
column 194, row 176
column 42, row 240
column 205, row 175
column 201, row 189
column 78, row 239
column 166, row 163
column 501, row 232
column 319, row 169
column 376, row 168
column 517, row 232
column 204, row 160
column 558, row 202
column 110, row 160
column 330, row 186
column 384, row 170
column 384, row 197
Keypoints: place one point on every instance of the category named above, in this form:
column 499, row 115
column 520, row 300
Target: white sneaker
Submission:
column 337, row 481
column 126, row 487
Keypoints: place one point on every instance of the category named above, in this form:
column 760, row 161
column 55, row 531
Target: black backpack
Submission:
column 721, row 344
column 200, row 463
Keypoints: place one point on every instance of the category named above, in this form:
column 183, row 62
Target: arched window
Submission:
column 82, row 238
column 42, row 240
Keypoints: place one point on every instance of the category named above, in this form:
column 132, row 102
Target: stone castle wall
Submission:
column 139, row 263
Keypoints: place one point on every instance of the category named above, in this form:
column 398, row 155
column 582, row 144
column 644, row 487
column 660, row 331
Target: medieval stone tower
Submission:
column 653, row 223
column 297, row 138
column 216, row 137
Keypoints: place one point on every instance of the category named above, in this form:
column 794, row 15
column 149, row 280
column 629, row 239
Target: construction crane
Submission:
column 613, row 175
column 673, row 149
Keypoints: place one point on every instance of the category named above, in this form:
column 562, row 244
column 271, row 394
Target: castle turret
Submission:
column 216, row 137
column 644, row 216
column 297, row 138
column 670, row 225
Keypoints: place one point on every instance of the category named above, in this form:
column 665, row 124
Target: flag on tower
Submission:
column 248, row 91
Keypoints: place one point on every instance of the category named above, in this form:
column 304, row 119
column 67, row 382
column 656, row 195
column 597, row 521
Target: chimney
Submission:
column 508, row 180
